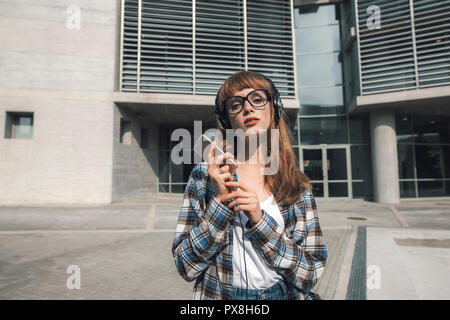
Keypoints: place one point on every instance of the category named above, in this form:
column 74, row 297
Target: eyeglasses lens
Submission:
column 257, row 98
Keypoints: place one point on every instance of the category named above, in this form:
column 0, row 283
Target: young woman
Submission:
column 243, row 234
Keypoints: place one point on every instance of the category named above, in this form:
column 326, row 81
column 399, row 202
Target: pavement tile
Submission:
column 121, row 258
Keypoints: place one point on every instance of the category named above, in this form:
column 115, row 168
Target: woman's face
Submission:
column 242, row 119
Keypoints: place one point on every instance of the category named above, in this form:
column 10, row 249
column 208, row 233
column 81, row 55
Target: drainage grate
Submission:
column 356, row 289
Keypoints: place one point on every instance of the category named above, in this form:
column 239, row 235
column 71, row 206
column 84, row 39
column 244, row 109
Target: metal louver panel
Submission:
column 410, row 50
column 129, row 46
column 192, row 46
column 432, row 25
column 166, row 46
column 387, row 53
column 219, row 43
column 269, row 42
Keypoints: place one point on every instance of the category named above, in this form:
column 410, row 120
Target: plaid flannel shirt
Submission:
column 203, row 240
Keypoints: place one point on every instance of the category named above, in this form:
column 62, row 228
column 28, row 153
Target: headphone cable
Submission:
column 245, row 262
column 243, row 227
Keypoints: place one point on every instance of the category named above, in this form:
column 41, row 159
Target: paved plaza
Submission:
column 123, row 250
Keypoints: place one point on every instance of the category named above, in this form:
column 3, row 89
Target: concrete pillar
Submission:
column 384, row 156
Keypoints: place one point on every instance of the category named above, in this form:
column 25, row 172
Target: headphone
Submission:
column 277, row 104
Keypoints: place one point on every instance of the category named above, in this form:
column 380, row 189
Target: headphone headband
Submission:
column 276, row 99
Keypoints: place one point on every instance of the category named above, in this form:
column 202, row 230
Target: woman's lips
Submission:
column 251, row 122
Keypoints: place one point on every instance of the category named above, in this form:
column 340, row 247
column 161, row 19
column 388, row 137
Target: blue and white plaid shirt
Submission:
column 202, row 245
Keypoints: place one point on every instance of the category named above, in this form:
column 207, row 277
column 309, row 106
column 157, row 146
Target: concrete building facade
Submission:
column 60, row 72
column 90, row 92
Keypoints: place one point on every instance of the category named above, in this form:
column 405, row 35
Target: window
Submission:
column 423, row 155
column 319, row 60
column 125, row 131
column 144, row 138
column 19, row 125
column 172, row 177
column 323, row 130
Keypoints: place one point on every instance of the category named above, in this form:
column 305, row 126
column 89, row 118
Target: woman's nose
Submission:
column 247, row 106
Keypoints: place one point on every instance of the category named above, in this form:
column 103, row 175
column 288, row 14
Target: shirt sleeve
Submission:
column 301, row 257
column 200, row 231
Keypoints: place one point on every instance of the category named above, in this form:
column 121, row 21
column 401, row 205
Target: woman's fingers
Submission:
column 240, row 196
column 220, row 157
column 211, row 154
column 216, row 159
column 234, row 194
column 238, row 184
column 225, row 176
column 224, row 158
column 244, row 208
column 239, row 201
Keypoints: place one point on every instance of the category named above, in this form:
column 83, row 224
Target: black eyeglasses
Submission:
column 257, row 98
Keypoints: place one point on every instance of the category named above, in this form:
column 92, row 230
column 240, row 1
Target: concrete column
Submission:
column 384, row 156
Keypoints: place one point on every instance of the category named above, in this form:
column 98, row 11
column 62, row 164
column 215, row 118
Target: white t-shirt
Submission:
column 260, row 274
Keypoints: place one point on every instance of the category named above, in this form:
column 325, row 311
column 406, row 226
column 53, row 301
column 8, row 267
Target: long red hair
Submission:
column 289, row 182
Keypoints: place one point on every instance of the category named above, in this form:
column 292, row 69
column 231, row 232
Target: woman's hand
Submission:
column 219, row 172
column 246, row 200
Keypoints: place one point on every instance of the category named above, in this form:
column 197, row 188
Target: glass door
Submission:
column 313, row 168
column 328, row 170
column 336, row 173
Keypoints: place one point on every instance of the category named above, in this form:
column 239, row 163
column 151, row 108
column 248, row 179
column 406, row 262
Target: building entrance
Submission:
column 328, row 168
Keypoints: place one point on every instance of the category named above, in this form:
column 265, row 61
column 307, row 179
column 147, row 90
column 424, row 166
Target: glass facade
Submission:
column 172, row 177
column 318, row 51
column 423, row 144
column 332, row 146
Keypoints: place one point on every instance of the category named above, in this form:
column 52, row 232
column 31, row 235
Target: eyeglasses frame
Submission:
column 269, row 98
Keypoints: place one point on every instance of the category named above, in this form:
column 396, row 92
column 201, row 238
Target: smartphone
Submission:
column 204, row 141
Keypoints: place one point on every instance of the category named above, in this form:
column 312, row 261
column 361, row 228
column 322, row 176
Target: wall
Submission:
column 135, row 170
column 66, row 77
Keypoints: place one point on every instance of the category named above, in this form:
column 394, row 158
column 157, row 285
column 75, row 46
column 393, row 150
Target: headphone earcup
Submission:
column 224, row 122
column 278, row 105
column 216, row 103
